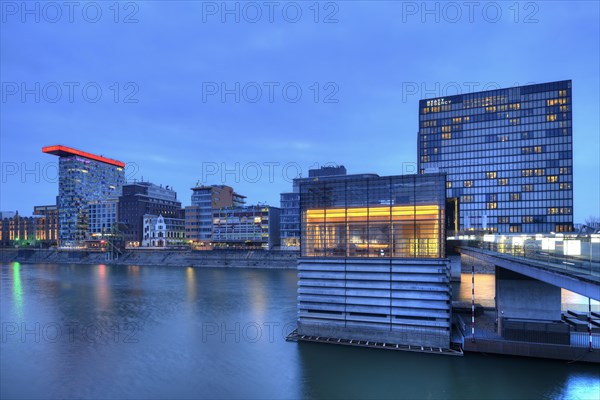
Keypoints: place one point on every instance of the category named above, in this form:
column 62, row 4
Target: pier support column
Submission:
column 519, row 296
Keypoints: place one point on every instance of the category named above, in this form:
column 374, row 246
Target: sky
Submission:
column 253, row 94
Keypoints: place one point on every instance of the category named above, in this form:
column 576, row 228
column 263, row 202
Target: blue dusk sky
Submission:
column 253, row 94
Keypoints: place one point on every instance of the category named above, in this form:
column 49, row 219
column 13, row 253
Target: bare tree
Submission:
column 592, row 222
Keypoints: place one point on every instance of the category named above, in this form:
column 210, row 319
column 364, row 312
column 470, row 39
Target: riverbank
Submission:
column 280, row 259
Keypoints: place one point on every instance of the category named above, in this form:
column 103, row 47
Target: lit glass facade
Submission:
column 508, row 155
column 392, row 217
column 82, row 180
column 250, row 226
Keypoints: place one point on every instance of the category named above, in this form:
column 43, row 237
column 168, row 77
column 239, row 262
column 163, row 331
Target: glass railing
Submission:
column 569, row 255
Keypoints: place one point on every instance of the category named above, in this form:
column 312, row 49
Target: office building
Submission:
column 198, row 216
column 102, row 217
column 290, row 203
column 139, row 199
column 163, row 232
column 372, row 264
column 82, row 177
column 508, row 155
column 246, row 227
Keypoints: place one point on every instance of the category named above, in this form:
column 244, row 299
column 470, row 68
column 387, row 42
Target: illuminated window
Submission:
column 466, row 199
column 456, row 120
column 446, row 136
column 526, row 172
column 565, row 170
column 515, row 228
column 527, row 188
column 503, row 220
column 448, row 185
column 564, row 186
column 491, row 206
column 525, row 150
column 515, row 196
column 562, row 93
column 537, row 149
column 503, row 182
column 551, row 117
column 503, row 138
column 564, row 108
column 514, row 121
column 539, row 172
column 466, row 118
column 425, row 110
column 552, row 210
column 491, row 175
column 425, row 158
column 551, row 178
column 490, row 109
column 446, row 128
column 515, row 106
column 468, row 183
column 527, row 219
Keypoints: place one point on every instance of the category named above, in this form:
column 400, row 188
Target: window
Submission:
column 550, row 117
column 448, row 185
column 503, row 220
column 491, row 206
column 503, row 182
column 527, row 219
column 526, row 172
column 491, row 175
column 537, row 149
column 565, row 170
column 446, row 136
column 552, row 178
column 467, row 199
column 539, row 172
column 468, row 183
column 515, row 196
column 564, row 186
column 527, row 188
column 515, row 228
column 552, row 210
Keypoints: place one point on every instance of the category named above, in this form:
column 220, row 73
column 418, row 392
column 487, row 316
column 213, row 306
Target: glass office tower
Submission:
column 508, row 155
column 82, row 177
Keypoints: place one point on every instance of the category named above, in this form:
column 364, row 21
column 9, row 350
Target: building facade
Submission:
column 163, row 232
column 205, row 199
column 372, row 263
column 46, row 224
column 290, row 202
column 141, row 198
column 82, row 177
column 508, row 155
column 246, row 227
column 18, row 231
column 102, row 217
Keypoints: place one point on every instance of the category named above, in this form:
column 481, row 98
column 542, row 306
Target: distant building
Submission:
column 373, row 265
column 290, row 203
column 163, row 232
column 141, row 198
column 82, row 177
column 102, row 216
column 18, row 230
column 46, row 224
column 246, row 227
column 508, row 154
column 7, row 214
column 198, row 216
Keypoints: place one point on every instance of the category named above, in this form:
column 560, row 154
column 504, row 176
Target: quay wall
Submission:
column 283, row 259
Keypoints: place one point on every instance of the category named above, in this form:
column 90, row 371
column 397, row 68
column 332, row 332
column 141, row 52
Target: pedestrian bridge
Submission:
column 574, row 273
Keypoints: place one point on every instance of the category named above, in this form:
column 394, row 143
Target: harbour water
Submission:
column 72, row 331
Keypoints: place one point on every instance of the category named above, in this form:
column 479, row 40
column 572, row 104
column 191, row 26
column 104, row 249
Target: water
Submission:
column 72, row 331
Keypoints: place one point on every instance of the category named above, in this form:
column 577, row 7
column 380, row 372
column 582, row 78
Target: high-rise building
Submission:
column 290, row 202
column 82, row 177
column 205, row 199
column 508, row 155
column 372, row 264
column 141, row 198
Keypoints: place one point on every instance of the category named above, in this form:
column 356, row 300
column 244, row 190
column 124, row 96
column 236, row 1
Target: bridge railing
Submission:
column 530, row 250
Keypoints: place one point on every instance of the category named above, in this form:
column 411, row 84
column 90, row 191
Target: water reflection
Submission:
column 172, row 355
column 17, row 290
